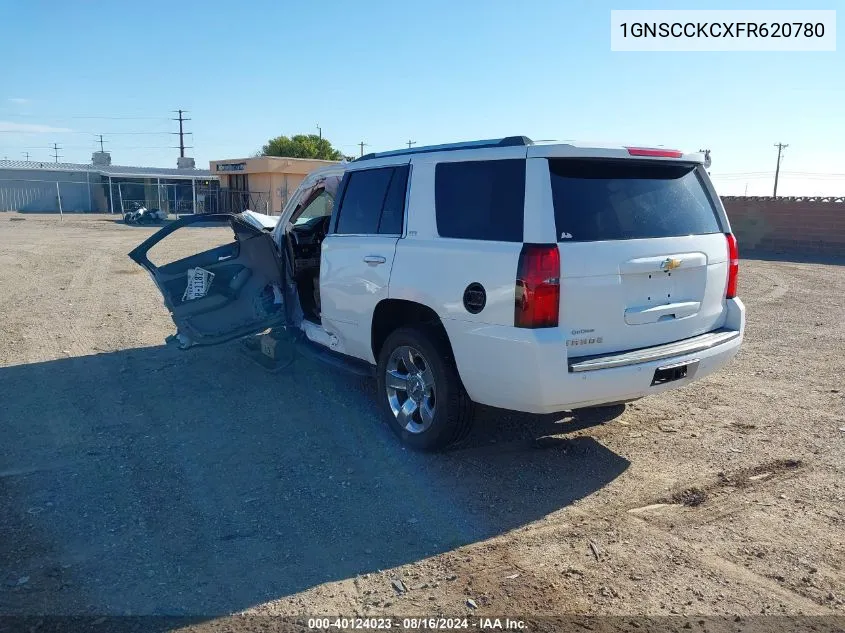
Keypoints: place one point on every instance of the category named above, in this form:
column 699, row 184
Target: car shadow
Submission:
column 155, row 481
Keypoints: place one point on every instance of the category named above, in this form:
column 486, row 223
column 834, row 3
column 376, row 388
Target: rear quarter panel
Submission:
column 435, row 271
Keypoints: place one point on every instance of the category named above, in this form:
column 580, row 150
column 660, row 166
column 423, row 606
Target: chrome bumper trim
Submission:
column 658, row 352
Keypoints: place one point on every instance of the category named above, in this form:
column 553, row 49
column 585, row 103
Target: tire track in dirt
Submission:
column 86, row 285
column 659, row 517
column 795, row 601
column 780, row 287
column 709, row 503
column 15, row 264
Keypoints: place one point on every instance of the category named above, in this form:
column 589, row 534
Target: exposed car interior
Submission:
column 309, row 225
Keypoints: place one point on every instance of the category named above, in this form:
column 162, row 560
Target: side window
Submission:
column 318, row 207
column 394, row 204
column 360, row 210
column 374, row 202
column 480, row 200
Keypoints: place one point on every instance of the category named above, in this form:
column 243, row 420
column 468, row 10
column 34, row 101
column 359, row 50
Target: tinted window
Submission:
column 360, row 210
column 481, row 200
column 394, row 203
column 626, row 199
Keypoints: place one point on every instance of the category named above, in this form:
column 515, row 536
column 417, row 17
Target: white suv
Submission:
column 537, row 278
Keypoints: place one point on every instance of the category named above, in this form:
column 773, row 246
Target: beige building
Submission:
column 270, row 180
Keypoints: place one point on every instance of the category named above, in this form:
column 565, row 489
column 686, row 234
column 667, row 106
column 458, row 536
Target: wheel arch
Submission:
column 392, row 314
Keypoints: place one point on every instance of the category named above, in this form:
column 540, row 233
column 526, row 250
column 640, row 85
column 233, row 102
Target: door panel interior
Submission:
column 244, row 295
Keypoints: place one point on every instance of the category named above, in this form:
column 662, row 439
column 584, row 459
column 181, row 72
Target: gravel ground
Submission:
column 138, row 479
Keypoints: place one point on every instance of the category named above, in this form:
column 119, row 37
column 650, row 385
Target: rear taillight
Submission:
column 733, row 266
column 537, row 301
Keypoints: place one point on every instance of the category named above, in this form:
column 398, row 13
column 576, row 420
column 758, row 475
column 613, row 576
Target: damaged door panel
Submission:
column 224, row 293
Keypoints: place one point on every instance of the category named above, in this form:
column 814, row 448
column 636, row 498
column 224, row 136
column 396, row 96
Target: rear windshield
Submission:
column 628, row 200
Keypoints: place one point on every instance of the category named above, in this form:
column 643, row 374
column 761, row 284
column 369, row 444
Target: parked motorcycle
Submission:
column 129, row 216
column 150, row 216
column 143, row 215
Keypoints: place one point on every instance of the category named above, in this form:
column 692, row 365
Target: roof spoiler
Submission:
column 508, row 141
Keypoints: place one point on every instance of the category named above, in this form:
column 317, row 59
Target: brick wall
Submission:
column 793, row 225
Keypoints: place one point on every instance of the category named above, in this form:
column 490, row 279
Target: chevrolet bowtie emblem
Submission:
column 670, row 264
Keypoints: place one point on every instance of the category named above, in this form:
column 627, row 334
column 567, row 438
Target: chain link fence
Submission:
column 45, row 196
column 234, row 201
column 96, row 194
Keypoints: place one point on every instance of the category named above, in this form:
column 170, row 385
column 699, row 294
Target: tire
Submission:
column 442, row 412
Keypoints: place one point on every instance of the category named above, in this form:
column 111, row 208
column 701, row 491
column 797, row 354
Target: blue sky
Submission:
column 386, row 72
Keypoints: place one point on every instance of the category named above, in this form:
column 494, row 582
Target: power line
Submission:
column 181, row 133
column 144, row 147
column 104, row 118
column 765, row 174
column 130, row 133
column 780, row 147
column 123, row 118
column 93, row 146
column 745, row 173
column 813, row 173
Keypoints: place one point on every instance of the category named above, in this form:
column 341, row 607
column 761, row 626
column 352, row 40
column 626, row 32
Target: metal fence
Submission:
column 94, row 195
column 215, row 200
column 169, row 197
column 234, row 201
column 51, row 196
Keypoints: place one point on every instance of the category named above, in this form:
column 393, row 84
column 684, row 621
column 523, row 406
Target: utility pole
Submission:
column 56, row 149
column 780, row 147
column 363, row 144
column 411, row 143
column 26, row 154
column 181, row 132
column 101, row 143
column 320, row 131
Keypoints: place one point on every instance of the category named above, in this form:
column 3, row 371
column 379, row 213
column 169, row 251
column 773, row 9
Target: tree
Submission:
column 301, row 146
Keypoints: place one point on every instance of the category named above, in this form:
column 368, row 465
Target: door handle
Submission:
column 374, row 260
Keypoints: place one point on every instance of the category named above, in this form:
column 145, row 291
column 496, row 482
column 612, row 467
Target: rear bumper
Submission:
column 692, row 345
column 528, row 370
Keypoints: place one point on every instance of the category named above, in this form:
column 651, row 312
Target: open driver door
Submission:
column 224, row 293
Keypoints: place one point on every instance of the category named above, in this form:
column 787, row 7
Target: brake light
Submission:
column 733, row 265
column 654, row 152
column 537, row 298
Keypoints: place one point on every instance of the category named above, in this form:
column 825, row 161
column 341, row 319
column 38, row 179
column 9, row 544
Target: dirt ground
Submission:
column 139, row 479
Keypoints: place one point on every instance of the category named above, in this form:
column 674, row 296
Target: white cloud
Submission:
column 18, row 100
column 30, row 128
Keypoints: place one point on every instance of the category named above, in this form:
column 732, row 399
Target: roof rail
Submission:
column 508, row 141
